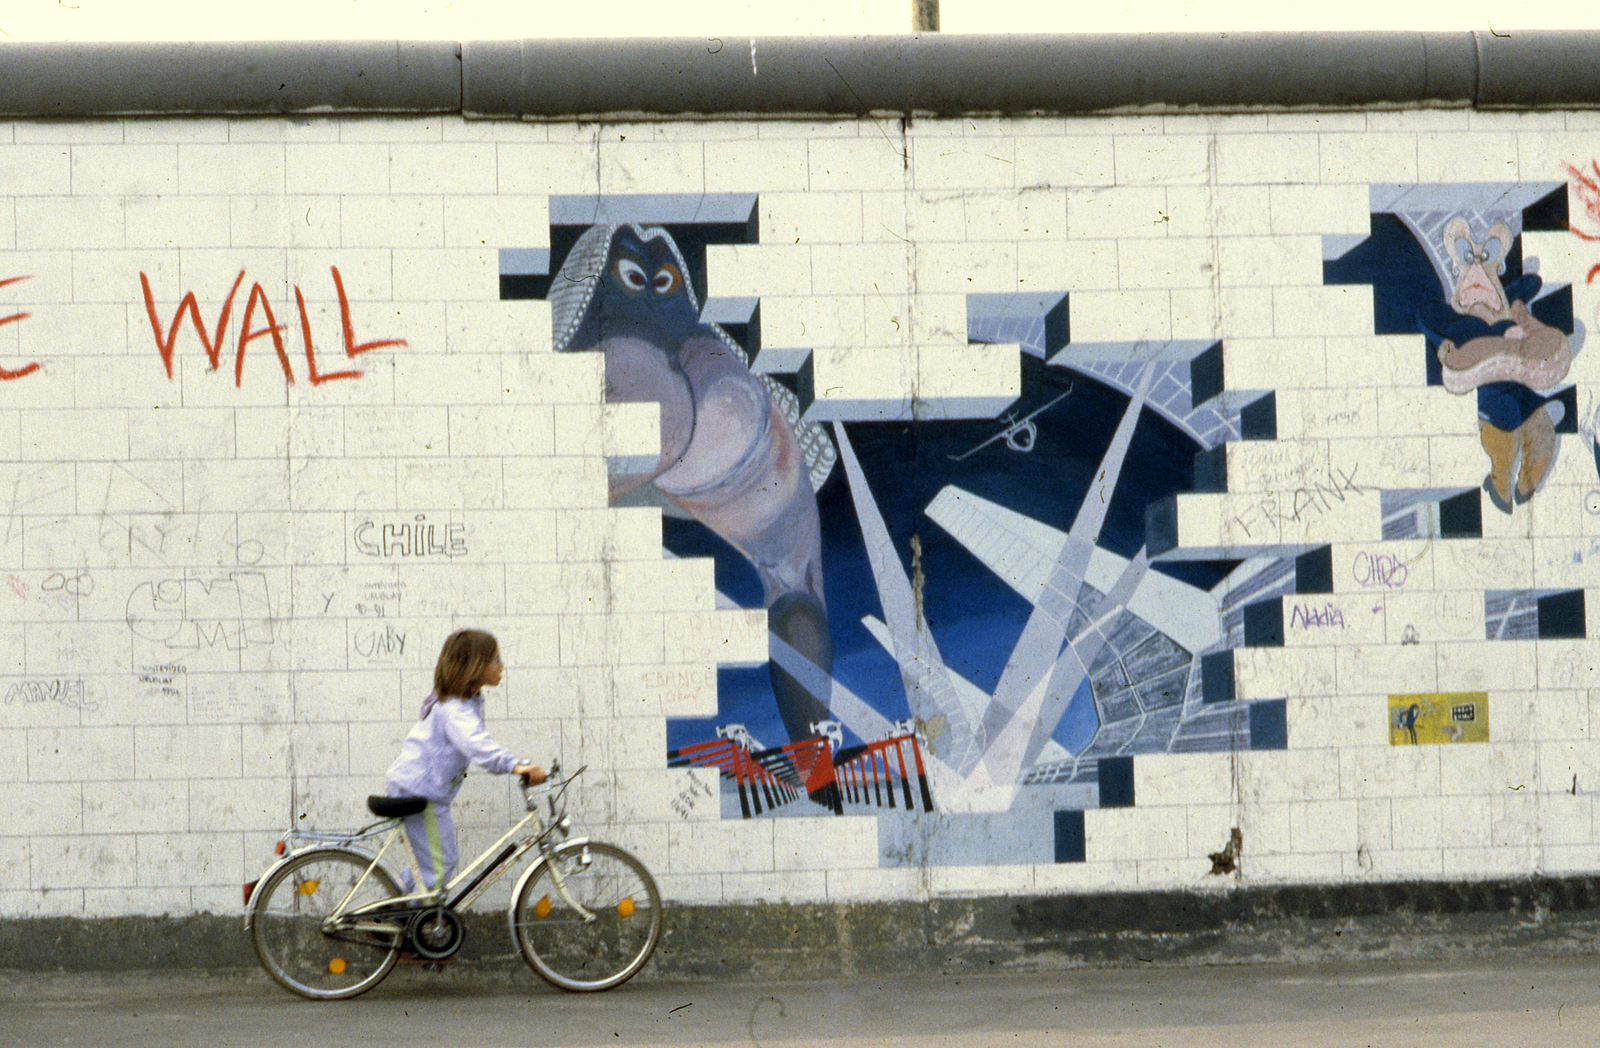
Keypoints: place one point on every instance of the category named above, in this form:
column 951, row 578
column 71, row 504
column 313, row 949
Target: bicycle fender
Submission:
column 533, row 869
column 255, row 890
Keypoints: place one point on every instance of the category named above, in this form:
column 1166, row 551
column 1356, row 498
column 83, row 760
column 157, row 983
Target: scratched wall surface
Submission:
column 1161, row 501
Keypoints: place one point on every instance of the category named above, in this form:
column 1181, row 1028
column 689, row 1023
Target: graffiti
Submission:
column 677, row 677
column 212, row 340
column 1496, row 346
column 74, row 693
column 678, row 685
column 1379, row 569
column 1308, row 617
column 1438, row 718
column 122, row 535
column 78, row 584
column 162, row 680
column 684, row 803
column 30, row 491
column 417, row 537
column 379, row 643
column 228, row 698
column 232, row 609
column 375, row 599
column 1586, row 188
column 1293, row 507
column 6, row 375
column 1020, row 434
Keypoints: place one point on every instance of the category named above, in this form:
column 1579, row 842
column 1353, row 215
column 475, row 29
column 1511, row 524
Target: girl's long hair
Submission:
column 462, row 660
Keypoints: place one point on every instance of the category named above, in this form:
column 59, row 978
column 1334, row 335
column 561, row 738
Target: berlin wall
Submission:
column 894, row 496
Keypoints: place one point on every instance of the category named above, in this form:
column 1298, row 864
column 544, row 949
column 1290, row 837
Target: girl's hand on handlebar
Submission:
column 531, row 774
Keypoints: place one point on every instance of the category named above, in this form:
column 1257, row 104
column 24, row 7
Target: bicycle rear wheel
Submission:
column 580, row 955
column 286, row 925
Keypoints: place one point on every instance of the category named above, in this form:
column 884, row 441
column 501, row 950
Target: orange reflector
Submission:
column 625, row 907
column 249, row 890
column 278, row 848
column 541, row 909
column 308, row 886
column 336, row 966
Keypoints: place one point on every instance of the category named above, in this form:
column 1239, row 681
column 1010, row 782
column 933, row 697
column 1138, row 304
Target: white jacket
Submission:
column 434, row 756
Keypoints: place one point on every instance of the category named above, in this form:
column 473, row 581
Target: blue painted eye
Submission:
column 1492, row 251
column 632, row 274
column 1464, row 252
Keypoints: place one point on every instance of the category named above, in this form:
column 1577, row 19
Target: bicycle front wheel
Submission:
column 604, row 949
column 286, row 925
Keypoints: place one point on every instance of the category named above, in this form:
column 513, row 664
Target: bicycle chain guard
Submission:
column 435, row 933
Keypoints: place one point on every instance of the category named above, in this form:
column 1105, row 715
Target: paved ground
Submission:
column 1508, row 1003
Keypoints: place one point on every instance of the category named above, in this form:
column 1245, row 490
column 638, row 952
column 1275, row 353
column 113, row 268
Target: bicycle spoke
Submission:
column 604, row 948
column 287, row 926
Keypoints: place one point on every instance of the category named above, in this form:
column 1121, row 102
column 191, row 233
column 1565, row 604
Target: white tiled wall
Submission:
column 134, row 788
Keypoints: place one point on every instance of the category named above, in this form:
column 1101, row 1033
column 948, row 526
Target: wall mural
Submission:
column 981, row 620
column 1446, row 260
column 966, row 622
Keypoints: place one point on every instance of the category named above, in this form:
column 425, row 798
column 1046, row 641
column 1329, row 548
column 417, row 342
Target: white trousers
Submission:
column 432, row 836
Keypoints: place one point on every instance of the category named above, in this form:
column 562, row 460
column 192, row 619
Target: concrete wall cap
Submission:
column 199, row 79
column 797, row 76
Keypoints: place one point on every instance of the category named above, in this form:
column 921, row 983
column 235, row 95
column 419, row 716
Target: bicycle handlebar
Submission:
column 553, row 786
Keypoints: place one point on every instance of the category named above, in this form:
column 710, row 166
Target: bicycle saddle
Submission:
column 396, row 807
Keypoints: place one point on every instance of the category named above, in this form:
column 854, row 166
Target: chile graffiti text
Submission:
column 417, row 537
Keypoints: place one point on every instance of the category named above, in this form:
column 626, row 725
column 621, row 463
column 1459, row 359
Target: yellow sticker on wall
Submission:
column 1438, row 717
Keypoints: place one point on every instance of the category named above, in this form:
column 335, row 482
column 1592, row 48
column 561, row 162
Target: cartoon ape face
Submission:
column 1475, row 267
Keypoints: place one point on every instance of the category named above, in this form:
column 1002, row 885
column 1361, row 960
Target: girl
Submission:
column 447, row 737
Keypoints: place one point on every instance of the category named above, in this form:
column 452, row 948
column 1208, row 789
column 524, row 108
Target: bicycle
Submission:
column 329, row 922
